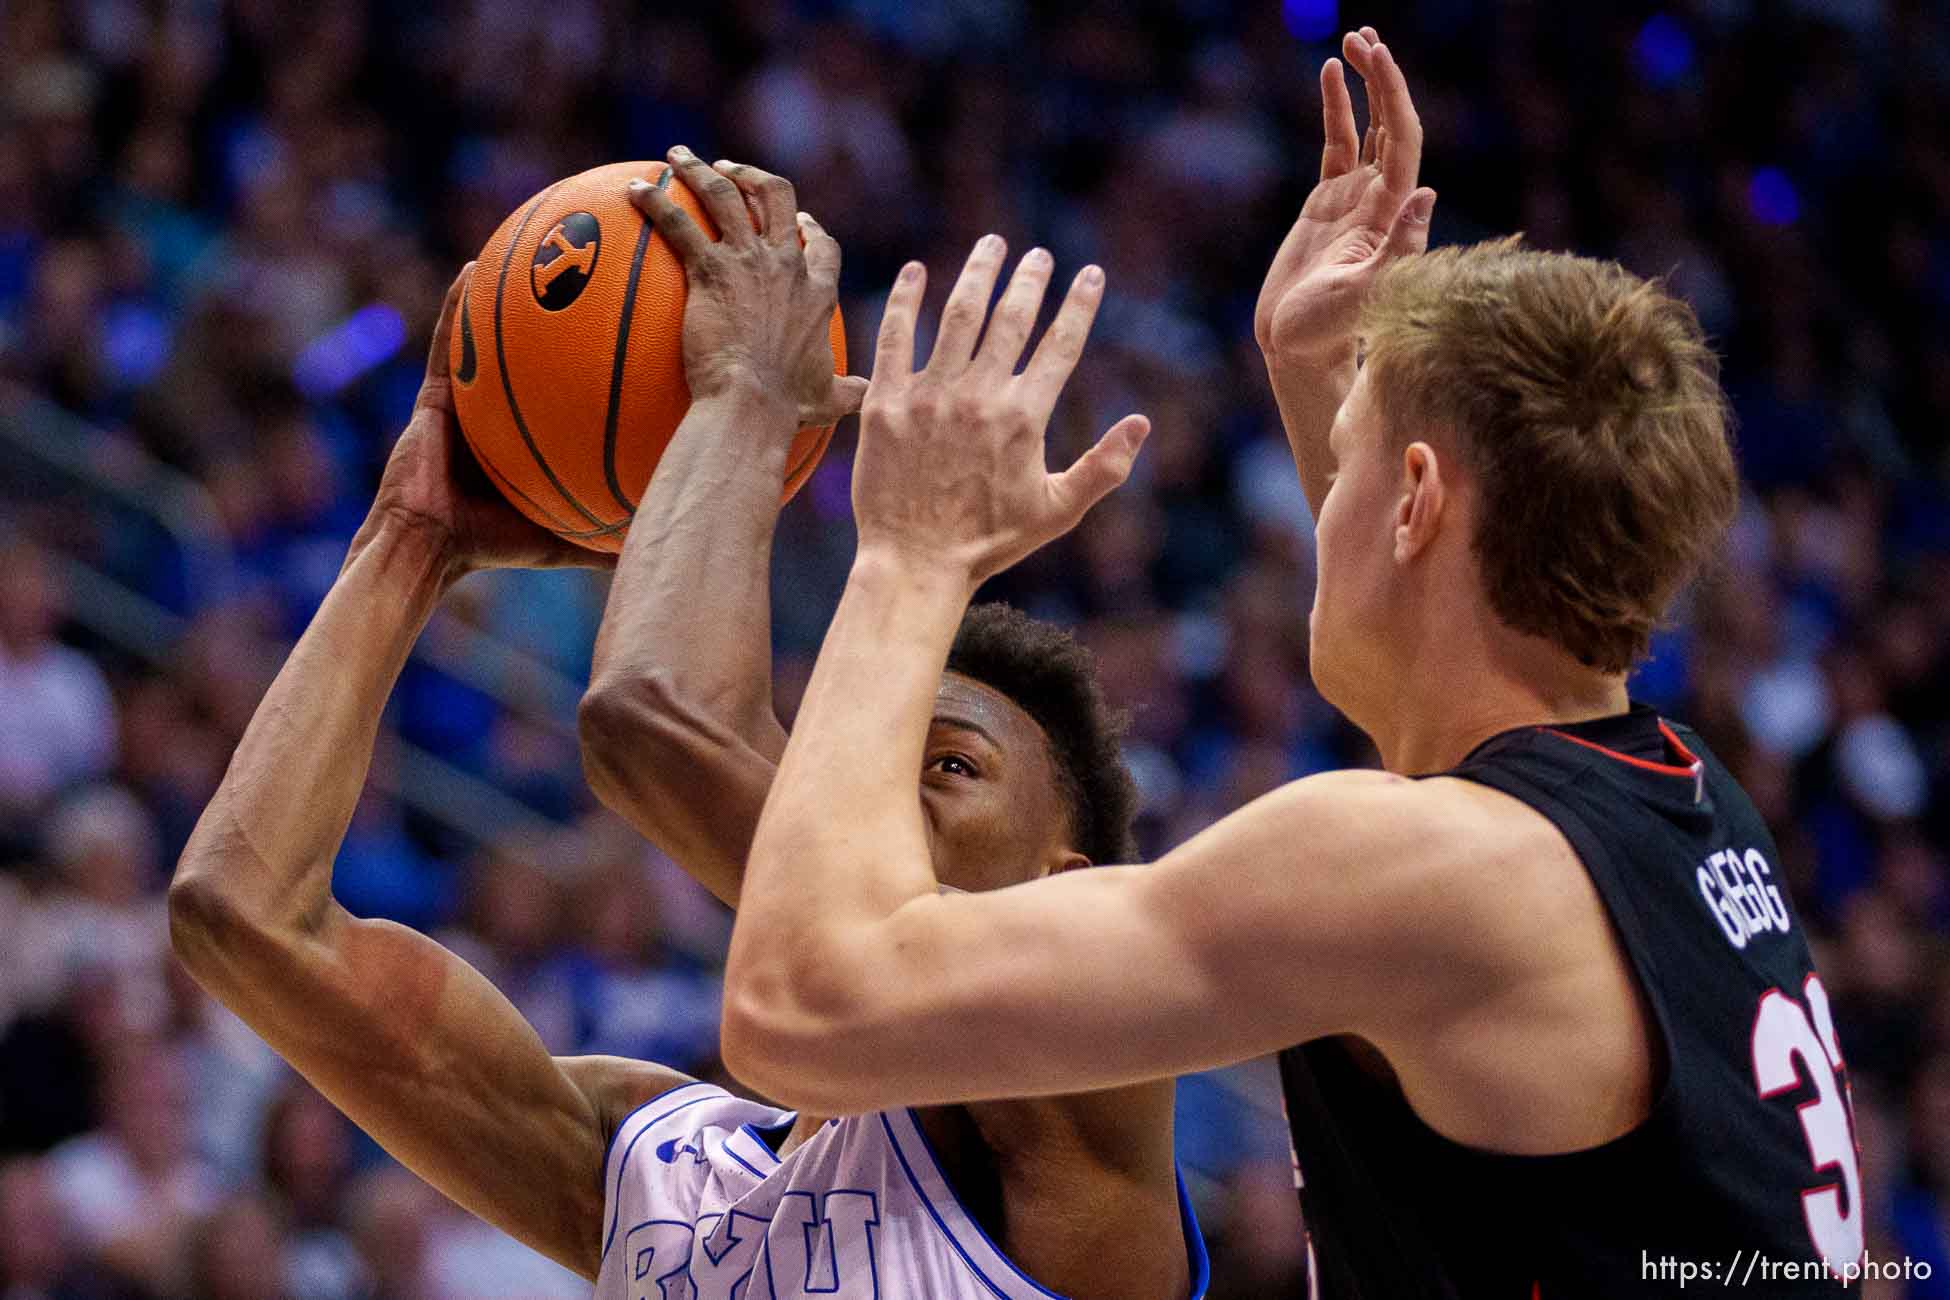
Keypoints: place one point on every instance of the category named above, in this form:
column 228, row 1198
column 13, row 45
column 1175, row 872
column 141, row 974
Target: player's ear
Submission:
column 1067, row 860
column 1418, row 512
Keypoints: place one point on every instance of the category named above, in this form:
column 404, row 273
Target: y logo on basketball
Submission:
column 565, row 259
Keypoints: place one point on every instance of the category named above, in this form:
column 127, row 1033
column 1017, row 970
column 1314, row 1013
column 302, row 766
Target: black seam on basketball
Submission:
column 567, row 534
column 480, row 456
column 507, row 381
column 508, row 485
column 469, row 361
column 554, row 525
column 616, row 369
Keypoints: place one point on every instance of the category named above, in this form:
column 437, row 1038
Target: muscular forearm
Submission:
column 678, row 729
column 264, row 847
column 1309, row 391
column 842, row 843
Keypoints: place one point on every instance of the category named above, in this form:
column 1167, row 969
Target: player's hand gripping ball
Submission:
column 568, row 358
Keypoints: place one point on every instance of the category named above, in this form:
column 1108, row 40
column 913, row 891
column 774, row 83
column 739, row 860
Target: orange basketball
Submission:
column 568, row 357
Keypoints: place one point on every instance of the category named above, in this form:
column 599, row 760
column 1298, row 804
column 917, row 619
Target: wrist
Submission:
column 934, row 577
column 1316, row 355
column 747, row 400
column 406, row 549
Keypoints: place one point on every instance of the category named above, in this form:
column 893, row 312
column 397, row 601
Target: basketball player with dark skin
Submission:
column 680, row 737
column 418, row 1048
column 1513, row 950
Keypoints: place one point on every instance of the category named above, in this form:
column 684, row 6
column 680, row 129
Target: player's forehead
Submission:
column 962, row 702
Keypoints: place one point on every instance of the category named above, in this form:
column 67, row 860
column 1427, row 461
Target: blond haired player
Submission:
column 1545, row 1014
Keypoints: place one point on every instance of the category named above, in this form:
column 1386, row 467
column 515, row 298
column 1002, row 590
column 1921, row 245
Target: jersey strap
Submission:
column 922, row 1170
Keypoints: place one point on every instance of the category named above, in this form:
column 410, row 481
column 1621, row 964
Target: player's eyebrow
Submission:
column 961, row 722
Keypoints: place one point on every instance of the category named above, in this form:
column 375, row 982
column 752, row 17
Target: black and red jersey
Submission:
column 1744, row 1176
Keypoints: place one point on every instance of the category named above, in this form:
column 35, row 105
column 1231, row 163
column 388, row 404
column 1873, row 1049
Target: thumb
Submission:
column 434, row 388
column 1409, row 234
column 1101, row 470
column 844, row 397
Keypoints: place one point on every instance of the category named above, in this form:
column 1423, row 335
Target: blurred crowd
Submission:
column 225, row 226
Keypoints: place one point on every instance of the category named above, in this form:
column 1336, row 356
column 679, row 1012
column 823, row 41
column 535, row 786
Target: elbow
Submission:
column 802, row 1040
column 751, row 1043
column 203, row 920
column 625, row 728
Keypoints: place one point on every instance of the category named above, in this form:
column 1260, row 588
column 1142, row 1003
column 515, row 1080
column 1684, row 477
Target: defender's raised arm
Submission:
column 1364, row 213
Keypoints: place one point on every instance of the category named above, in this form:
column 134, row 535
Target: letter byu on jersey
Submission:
column 697, row 1207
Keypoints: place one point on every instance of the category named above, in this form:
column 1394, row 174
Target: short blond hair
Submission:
column 1588, row 408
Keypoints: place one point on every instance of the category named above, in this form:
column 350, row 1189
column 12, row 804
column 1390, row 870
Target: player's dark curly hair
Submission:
column 1052, row 677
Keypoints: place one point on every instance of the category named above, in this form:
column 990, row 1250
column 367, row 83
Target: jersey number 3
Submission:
column 1785, row 1032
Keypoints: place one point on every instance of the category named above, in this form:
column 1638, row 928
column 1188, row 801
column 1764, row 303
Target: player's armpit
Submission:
column 1338, row 904
column 428, row 1057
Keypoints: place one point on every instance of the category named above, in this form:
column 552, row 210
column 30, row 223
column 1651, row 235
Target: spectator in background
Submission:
column 134, row 1189
column 236, row 1253
column 308, row 1166
column 59, row 717
column 99, row 914
column 38, row 1258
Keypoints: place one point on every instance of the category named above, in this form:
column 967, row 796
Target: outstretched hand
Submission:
column 1365, row 212
column 432, row 482
column 950, row 469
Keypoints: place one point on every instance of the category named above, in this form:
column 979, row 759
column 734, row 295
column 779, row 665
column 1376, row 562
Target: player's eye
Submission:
column 953, row 765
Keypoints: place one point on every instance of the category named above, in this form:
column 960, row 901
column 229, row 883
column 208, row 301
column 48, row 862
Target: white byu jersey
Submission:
column 697, row 1207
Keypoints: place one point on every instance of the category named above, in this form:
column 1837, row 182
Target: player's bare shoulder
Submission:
column 1501, row 875
column 1429, row 836
column 1444, row 882
column 1531, row 871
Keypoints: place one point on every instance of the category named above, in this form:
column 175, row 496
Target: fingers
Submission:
column 1101, row 470
column 1062, row 343
column 1015, row 316
column 1391, row 111
column 435, row 387
column 822, row 251
column 685, row 237
column 771, row 197
column 968, row 304
column 1394, row 109
column 1355, row 47
column 1342, row 147
column 722, row 201
column 893, row 358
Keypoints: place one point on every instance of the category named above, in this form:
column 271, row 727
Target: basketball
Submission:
column 568, row 360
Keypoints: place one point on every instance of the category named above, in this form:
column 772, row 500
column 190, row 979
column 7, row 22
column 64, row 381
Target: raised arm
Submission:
column 1348, row 902
column 678, row 731
column 1365, row 212
column 949, row 487
column 409, row 1041
column 1286, row 921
